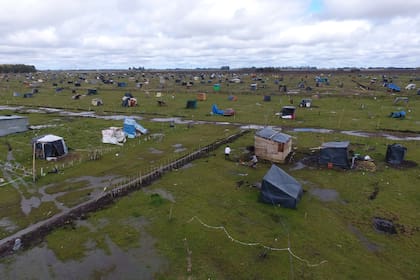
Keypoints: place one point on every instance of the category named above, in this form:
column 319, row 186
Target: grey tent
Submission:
column 335, row 153
column 395, row 154
column 278, row 187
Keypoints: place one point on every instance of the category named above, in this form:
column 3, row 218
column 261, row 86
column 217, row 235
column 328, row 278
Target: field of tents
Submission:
column 354, row 197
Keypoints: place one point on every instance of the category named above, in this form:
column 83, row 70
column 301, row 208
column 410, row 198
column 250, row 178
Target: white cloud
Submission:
column 206, row 33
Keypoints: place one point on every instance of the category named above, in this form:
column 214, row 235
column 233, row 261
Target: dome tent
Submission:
column 49, row 147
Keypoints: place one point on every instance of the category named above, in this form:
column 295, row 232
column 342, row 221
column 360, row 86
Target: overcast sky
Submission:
column 93, row 34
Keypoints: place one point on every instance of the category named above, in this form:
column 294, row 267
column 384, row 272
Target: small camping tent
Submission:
column 395, row 154
column 335, row 154
column 272, row 145
column 278, row 187
column 191, row 104
column 49, row 147
column 132, row 128
column 410, row 86
column 288, row 112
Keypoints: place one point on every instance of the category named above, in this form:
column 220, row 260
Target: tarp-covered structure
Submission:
column 288, row 112
column 113, row 135
column 49, row 147
column 13, row 124
column 279, row 188
column 393, row 87
column 395, row 154
column 226, row 112
column 335, row 154
column 132, row 129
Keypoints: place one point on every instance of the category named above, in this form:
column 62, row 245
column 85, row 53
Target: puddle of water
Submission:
column 356, row 133
column 298, row 166
column 162, row 192
column 398, row 138
column 316, row 130
column 155, row 151
column 8, row 225
column 252, row 126
column 324, row 195
column 10, row 156
column 41, row 262
column 370, row 246
column 27, row 204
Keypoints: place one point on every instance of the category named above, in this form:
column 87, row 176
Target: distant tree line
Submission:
column 17, row 68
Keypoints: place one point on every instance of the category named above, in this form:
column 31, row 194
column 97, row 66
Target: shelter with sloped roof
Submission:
column 272, row 145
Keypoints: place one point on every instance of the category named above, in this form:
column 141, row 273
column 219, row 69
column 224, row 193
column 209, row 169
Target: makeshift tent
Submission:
column 113, row 135
column 13, row 124
column 410, row 86
column 121, row 84
column 232, row 98
column 279, row 188
column 97, row 102
column 49, row 147
column 202, row 96
column 398, row 114
column 132, row 128
column 305, row 103
column 227, row 112
column 395, row 154
column 393, row 87
column 91, row 91
column 335, row 154
column 288, row 112
column 191, row 104
column 272, row 145
column 216, row 87
column 128, row 100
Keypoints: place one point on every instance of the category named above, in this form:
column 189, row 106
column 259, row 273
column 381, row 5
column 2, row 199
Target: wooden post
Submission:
column 33, row 163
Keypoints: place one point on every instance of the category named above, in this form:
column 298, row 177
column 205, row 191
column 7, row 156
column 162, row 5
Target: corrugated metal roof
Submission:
column 273, row 135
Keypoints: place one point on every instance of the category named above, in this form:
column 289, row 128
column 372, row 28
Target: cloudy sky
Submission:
column 98, row 34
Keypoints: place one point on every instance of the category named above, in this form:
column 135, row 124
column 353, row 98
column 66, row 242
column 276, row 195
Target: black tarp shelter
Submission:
column 335, row 154
column 395, row 154
column 279, row 188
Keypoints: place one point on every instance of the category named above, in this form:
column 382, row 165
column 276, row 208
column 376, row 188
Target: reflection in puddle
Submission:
column 41, row 263
column 324, row 194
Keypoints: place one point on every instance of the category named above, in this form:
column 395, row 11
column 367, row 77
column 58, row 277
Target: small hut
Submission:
column 272, row 145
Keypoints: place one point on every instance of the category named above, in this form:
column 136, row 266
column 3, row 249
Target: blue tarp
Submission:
column 399, row 114
column 216, row 110
column 131, row 127
column 394, row 87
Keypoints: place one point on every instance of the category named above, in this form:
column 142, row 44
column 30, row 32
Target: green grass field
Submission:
column 329, row 239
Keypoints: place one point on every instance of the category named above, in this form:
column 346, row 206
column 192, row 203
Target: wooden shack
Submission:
column 272, row 145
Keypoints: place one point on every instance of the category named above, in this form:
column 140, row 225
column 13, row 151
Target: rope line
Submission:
column 288, row 249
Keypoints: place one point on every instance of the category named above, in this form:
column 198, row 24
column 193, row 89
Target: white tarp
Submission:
column 113, row 135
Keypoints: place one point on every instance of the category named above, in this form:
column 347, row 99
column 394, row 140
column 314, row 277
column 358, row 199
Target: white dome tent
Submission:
column 49, row 147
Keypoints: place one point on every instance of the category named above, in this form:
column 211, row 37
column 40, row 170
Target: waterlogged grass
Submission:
column 69, row 244
column 220, row 192
column 65, row 188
